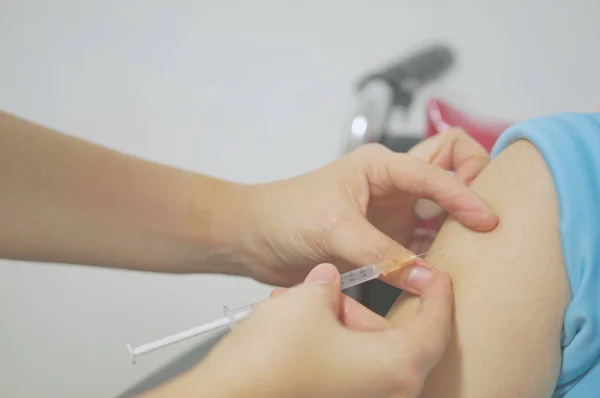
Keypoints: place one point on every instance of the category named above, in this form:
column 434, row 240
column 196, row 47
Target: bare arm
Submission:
column 510, row 286
column 67, row 200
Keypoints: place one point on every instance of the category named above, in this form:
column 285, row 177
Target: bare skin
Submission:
column 510, row 286
column 69, row 201
column 318, row 340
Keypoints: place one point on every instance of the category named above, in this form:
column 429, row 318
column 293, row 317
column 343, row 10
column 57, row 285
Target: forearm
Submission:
column 70, row 201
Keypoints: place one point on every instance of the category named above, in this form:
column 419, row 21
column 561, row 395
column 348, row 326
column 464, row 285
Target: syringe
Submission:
column 372, row 271
column 349, row 279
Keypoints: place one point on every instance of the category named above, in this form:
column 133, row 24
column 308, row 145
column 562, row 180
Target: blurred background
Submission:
column 248, row 91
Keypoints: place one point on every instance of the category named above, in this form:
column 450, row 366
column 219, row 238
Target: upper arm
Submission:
column 510, row 286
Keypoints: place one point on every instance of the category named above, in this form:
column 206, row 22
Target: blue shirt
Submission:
column 570, row 145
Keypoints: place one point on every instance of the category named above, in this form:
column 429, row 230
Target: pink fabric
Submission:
column 441, row 115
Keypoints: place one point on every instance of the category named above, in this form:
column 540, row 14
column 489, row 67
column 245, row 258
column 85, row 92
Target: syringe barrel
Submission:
column 360, row 275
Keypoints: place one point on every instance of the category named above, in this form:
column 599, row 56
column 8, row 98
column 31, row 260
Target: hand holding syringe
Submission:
column 349, row 279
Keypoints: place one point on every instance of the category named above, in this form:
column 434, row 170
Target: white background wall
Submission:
column 250, row 91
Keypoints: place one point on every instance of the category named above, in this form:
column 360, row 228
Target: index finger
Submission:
column 454, row 150
column 406, row 173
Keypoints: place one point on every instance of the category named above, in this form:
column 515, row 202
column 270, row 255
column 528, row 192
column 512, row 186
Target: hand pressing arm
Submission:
column 70, row 201
column 510, row 286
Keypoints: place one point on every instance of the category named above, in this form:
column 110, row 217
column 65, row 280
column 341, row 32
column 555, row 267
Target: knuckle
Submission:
column 375, row 147
column 423, row 179
column 330, row 229
column 461, row 137
column 372, row 150
column 435, row 181
column 332, row 222
column 411, row 163
column 456, row 132
column 381, row 248
column 404, row 157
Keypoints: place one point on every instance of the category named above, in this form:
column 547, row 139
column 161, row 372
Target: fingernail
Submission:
column 322, row 273
column 420, row 277
column 478, row 219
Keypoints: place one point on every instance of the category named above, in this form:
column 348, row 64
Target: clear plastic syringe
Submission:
column 349, row 279
column 372, row 271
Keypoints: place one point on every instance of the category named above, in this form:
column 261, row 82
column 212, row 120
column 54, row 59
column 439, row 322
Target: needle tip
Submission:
column 430, row 251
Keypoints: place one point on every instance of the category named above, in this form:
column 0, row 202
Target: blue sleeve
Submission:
column 570, row 145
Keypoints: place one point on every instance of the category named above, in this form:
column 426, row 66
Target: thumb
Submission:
column 328, row 277
column 361, row 244
column 325, row 274
column 429, row 332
